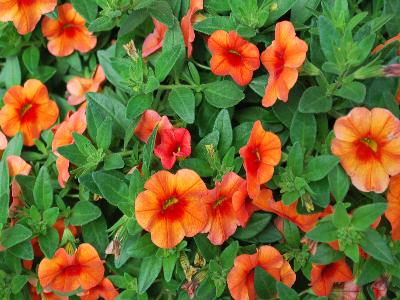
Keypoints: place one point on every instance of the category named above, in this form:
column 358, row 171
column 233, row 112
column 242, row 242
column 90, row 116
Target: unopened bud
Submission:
column 131, row 50
column 210, row 150
column 392, row 70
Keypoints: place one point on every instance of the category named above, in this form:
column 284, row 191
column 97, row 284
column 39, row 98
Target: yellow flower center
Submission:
column 219, row 202
column 170, row 202
column 25, row 109
column 373, row 145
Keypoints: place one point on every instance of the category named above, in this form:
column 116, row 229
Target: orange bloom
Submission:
column 243, row 205
column 187, row 24
column 392, row 212
column 68, row 32
column 25, row 14
column 266, row 202
column 172, row 207
column 222, row 220
column 3, row 143
column 154, row 41
column 261, row 154
column 66, row 273
column 46, row 296
column 241, row 277
column 324, row 276
column 389, row 41
column 149, row 120
column 234, row 56
column 368, row 145
column 76, row 122
column 104, row 290
column 28, row 109
column 282, row 59
column 379, row 288
column 79, row 86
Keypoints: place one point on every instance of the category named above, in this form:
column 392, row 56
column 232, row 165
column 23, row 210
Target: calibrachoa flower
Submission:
column 323, row 277
column 46, row 295
column 379, row 288
column 368, row 145
column 104, row 290
column 392, row 212
column 148, row 122
column 154, row 41
column 174, row 144
column 75, row 122
column 234, row 56
column 222, row 219
column 25, row 14
column 29, row 110
column 388, row 42
column 241, row 277
column 66, row 273
column 261, row 154
column 3, row 143
column 243, row 205
column 172, row 207
column 77, row 87
column 68, row 32
column 187, row 24
column 345, row 291
column 282, row 59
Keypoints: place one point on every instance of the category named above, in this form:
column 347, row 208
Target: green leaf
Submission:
column 113, row 189
column 340, row 217
column 285, row 292
column 314, row 100
column 169, row 266
column 282, row 7
column 166, row 61
column 50, row 215
column 324, row 232
column 303, row 130
column 223, row 94
column 23, row 250
column 149, row 270
column 264, row 284
column 223, row 125
column 302, row 10
column 87, row 8
column 374, row 245
column 256, row 224
column 137, row 105
column 4, row 191
column 31, row 57
column 364, row 216
column 325, row 255
column 214, row 23
column 95, row 233
column 182, row 102
column 354, row 91
column 18, row 282
column 43, row 191
column 229, row 254
column 72, row 153
column 14, row 146
column 15, row 235
column 198, row 165
column 353, row 252
column 113, row 161
column 296, row 159
column 320, row 166
column 11, row 73
column 370, row 271
column 148, row 151
column 329, row 38
column 292, row 234
column 161, row 10
column 83, row 213
column 207, row 250
column 104, row 133
column 339, row 183
column 210, row 139
column 49, row 242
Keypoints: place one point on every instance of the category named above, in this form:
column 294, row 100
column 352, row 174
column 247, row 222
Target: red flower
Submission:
column 187, row 24
column 154, row 41
column 379, row 288
column 149, row 120
column 175, row 143
column 324, row 276
column 261, row 154
column 234, row 56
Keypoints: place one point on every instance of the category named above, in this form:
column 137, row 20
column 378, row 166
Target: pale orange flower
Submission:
column 29, row 110
column 392, row 212
column 75, row 122
column 282, row 59
column 172, row 207
column 243, row 205
column 68, row 32
column 77, row 87
column 154, row 41
column 368, row 145
column 187, row 24
column 104, row 290
column 148, row 122
column 241, row 277
column 25, row 14
column 66, row 273
column 3, row 143
column 261, row 154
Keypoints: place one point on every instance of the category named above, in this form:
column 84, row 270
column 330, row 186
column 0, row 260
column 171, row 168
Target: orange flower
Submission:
column 3, row 143
column 234, row 56
column 68, row 32
column 389, row 41
column 282, row 59
column 149, row 120
column 28, row 109
column 241, row 277
column 324, row 276
column 261, row 154
column 104, row 290
column 154, row 41
column 379, row 288
column 79, row 86
column 368, row 145
column 25, row 14
column 187, row 24
column 76, row 122
column 46, row 296
column 66, row 273
column 172, row 207
column 222, row 220
column 266, row 202
column 392, row 212
column 243, row 205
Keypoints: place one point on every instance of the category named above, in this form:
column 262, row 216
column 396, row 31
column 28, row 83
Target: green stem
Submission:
column 174, row 86
column 201, row 65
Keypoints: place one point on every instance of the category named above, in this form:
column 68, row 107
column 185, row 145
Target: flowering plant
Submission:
column 199, row 149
